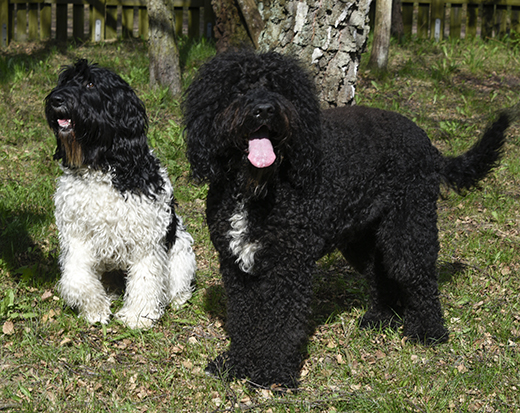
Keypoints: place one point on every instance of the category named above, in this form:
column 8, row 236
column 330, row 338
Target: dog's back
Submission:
column 387, row 140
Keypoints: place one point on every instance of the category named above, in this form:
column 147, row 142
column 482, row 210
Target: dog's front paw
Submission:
column 93, row 317
column 380, row 319
column 137, row 319
column 224, row 368
column 428, row 335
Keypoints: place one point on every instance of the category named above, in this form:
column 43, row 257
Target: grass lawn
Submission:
column 54, row 362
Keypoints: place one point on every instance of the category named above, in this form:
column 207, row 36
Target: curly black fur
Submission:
column 107, row 129
column 364, row 181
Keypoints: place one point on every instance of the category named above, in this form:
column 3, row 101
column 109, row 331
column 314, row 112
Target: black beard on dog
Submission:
column 100, row 123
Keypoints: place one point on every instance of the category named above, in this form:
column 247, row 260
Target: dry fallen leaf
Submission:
column 339, row 359
column 66, row 341
column 46, row 295
column 462, row 368
column 506, row 270
column 8, row 328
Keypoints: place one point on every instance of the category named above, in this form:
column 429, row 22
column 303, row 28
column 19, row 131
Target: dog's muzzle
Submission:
column 260, row 149
column 60, row 113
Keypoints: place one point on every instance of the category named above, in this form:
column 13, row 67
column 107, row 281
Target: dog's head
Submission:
column 100, row 123
column 253, row 117
column 94, row 114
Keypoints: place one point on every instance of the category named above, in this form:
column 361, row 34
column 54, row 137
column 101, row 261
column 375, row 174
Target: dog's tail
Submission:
column 465, row 171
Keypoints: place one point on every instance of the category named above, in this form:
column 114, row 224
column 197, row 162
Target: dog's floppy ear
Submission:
column 204, row 100
column 129, row 154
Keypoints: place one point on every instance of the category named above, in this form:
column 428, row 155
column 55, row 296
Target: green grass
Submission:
column 52, row 361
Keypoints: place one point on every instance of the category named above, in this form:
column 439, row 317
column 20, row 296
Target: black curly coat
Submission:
column 364, row 181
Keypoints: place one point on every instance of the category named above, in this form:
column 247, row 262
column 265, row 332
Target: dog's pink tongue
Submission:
column 261, row 152
column 64, row 123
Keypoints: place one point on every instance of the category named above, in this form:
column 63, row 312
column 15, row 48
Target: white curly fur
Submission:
column 101, row 229
column 239, row 243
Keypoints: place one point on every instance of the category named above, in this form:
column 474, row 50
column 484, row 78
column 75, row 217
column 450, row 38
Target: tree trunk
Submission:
column 397, row 26
column 230, row 27
column 162, row 49
column 327, row 35
column 253, row 19
column 381, row 44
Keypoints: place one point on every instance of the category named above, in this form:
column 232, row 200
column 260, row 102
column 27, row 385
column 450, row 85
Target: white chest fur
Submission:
column 239, row 243
column 90, row 210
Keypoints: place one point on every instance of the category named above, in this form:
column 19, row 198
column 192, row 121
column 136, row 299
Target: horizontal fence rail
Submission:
column 97, row 20
column 438, row 19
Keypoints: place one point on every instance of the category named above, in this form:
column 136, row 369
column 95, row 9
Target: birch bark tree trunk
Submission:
column 327, row 35
column 162, row 48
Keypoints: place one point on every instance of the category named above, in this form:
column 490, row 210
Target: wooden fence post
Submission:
column 515, row 19
column 179, row 16
column 455, row 21
column 33, row 22
column 45, row 21
column 21, row 22
column 422, row 20
column 209, row 19
column 78, row 21
column 4, row 23
column 407, row 13
column 128, row 22
column 143, row 23
column 471, row 27
column 97, row 20
column 437, row 20
column 501, row 20
column 111, row 22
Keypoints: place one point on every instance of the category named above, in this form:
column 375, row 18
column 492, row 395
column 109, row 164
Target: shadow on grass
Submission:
column 448, row 271
column 22, row 257
column 215, row 302
column 21, row 58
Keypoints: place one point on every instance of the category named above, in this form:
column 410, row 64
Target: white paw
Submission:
column 137, row 320
column 94, row 317
column 180, row 298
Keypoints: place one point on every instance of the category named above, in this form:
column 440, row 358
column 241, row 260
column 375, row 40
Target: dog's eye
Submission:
column 90, row 85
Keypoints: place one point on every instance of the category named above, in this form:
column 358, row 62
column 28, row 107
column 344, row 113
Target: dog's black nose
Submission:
column 56, row 101
column 263, row 111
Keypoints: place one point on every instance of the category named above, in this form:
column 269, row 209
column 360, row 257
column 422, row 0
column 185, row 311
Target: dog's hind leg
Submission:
column 80, row 283
column 147, row 290
column 408, row 243
column 385, row 300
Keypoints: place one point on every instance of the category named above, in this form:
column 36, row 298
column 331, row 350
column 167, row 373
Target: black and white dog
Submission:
column 114, row 201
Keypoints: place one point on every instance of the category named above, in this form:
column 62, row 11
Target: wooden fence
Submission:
column 97, row 20
column 438, row 19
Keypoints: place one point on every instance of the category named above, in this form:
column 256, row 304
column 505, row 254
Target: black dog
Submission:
column 289, row 183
